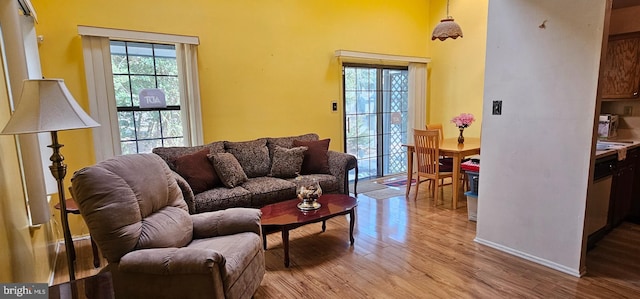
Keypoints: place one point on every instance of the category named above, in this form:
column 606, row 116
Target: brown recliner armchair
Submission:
column 136, row 214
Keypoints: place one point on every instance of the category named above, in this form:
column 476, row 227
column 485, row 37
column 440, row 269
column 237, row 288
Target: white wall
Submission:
column 536, row 155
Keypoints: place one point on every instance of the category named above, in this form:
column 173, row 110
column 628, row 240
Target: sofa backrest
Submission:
column 132, row 202
column 287, row 142
column 171, row 153
column 253, row 156
column 250, row 154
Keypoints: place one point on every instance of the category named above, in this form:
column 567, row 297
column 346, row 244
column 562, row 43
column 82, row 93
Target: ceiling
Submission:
column 624, row 3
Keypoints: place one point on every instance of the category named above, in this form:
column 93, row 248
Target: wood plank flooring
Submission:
column 406, row 248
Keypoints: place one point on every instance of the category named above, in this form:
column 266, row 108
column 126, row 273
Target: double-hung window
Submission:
column 143, row 90
column 138, row 67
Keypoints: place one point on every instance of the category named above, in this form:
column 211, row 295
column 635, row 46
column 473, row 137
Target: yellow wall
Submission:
column 457, row 69
column 9, row 196
column 24, row 254
column 267, row 67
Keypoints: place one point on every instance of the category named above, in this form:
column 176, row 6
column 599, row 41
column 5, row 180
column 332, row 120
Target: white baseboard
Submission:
column 60, row 244
column 52, row 271
column 535, row 259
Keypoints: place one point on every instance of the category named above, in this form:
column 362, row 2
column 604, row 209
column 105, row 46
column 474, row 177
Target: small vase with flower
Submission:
column 463, row 121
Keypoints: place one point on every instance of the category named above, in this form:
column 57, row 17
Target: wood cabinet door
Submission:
column 621, row 193
column 621, row 78
column 635, row 198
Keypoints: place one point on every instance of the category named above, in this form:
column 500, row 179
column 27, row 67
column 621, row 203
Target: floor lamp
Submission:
column 46, row 105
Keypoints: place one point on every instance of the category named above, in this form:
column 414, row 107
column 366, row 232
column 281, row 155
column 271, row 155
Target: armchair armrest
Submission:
column 339, row 166
column 169, row 261
column 187, row 193
column 226, row 222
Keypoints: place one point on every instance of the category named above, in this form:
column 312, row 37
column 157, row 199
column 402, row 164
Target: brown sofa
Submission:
column 136, row 214
column 266, row 163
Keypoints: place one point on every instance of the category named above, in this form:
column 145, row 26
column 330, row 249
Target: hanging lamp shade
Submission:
column 445, row 29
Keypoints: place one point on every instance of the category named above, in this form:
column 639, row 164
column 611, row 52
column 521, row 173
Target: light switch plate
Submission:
column 334, row 106
column 497, row 108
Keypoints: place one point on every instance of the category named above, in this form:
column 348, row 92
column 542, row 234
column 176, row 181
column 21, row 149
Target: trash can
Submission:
column 472, row 205
column 472, row 169
column 473, row 177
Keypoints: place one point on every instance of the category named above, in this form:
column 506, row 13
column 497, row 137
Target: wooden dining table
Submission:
column 449, row 147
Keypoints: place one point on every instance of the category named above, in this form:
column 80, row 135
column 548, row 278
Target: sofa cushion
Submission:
column 287, row 162
column 149, row 209
column 239, row 251
column 228, row 169
column 226, row 222
column 168, row 227
column 170, row 154
column 316, row 159
column 252, row 155
column 221, row 198
column 287, row 142
column 268, row 190
column 197, row 171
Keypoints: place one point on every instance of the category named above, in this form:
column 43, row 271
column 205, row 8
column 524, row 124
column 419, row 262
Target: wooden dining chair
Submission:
column 437, row 126
column 427, row 151
column 446, row 163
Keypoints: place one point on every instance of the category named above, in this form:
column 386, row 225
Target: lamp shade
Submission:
column 445, row 29
column 46, row 105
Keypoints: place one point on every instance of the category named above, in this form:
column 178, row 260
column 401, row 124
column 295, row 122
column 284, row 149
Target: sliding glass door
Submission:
column 376, row 104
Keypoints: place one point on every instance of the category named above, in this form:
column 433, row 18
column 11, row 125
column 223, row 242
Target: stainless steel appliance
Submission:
column 598, row 199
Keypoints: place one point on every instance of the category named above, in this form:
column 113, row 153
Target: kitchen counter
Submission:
column 614, row 146
column 610, row 198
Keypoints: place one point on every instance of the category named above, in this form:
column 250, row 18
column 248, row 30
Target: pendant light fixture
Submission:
column 446, row 28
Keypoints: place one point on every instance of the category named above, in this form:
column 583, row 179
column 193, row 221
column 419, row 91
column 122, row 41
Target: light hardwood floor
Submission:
column 409, row 249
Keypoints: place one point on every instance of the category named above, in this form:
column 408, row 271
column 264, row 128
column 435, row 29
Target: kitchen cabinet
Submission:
column 622, row 188
column 621, row 76
column 634, row 214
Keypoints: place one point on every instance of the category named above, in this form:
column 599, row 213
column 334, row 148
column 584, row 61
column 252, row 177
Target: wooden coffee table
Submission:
column 285, row 216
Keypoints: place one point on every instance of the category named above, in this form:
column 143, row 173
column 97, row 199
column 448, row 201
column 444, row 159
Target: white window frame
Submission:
column 99, row 76
column 22, row 61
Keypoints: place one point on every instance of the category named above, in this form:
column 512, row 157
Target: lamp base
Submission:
column 59, row 171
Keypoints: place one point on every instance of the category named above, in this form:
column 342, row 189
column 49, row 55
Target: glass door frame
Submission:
column 379, row 112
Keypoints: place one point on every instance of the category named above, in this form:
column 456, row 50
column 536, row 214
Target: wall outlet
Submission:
column 334, row 106
column 497, row 108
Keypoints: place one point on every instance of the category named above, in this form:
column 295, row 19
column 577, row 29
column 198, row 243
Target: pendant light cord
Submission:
column 448, row 16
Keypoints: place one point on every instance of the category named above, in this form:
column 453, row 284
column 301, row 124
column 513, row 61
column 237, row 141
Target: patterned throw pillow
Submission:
column 287, row 162
column 197, row 171
column 171, row 153
column 253, row 156
column 228, row 169
column 287, row 142
column 316, row 158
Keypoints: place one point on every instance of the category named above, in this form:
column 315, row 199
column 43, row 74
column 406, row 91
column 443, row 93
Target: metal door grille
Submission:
column 395, row 120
